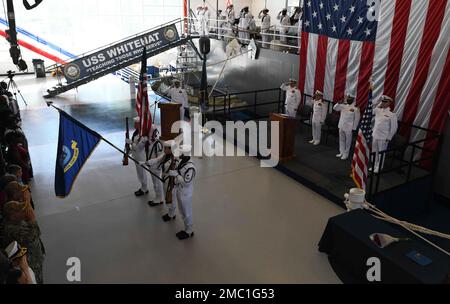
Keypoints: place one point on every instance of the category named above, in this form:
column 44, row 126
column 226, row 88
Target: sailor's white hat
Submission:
column 183, row 150
column 170, row 144
column 14, row 250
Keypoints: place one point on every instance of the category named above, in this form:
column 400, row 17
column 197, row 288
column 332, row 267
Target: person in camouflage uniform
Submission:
column 20, row 225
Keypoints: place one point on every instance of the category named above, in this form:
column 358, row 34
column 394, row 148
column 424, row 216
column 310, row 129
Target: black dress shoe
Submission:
column 140, row 193
column 167, row 218
column 153, row 204
column 182, row 235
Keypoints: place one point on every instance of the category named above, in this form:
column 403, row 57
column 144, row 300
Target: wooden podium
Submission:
column 287, row 135
column 170, row 113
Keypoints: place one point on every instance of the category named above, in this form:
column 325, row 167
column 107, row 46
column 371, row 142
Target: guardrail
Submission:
column 225, row 110
column 408, row 156
column 215, row 29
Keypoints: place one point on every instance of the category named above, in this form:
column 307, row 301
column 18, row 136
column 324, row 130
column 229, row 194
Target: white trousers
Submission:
column 316, row 131
column 244, row 36
column 291, row 112
column 265, row 38
column 345, row 142
column 171, row 208
column 182, row 113
column 184, row 201
column 158, row 188
column 142, row 177
column 379, row 146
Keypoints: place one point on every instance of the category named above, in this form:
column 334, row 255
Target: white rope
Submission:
column 223, row 69
column 408, row 226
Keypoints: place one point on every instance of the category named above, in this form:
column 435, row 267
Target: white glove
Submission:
column 144, row 139
column 173, row 173
column 128, row 141
column 142, row 163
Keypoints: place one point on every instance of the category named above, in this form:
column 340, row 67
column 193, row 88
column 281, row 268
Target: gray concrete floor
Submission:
column 252, row 225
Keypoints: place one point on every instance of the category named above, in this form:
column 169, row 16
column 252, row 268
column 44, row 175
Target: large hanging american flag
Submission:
column 142, row 102
column 402, row 45
column 363, row 147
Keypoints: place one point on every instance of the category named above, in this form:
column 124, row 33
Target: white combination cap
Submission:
column 320, row 93
column 386, row 98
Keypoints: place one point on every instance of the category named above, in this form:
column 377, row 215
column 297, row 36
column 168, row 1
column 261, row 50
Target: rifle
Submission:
column 171, row 184
column 127, row 146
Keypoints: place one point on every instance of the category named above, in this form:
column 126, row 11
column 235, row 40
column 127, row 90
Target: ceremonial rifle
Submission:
column 171, row 184
column 127, row 146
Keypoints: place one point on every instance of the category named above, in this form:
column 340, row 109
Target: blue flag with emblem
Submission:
column 75, row 144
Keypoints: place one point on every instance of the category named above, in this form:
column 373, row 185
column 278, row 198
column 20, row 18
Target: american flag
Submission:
column 142, row 103
column 361, row 155
column 402, row 45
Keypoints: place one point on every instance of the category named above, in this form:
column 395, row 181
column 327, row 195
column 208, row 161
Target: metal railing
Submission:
column 408, row 156
column 215, row 29
column 419, row 155
column 259, row 98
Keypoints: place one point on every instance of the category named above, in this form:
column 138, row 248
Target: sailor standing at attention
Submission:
column 244, row 25
column 293, row 97
column 386, row 125
column 184, row 175
column 265, row 27
column 206, row 18
column 155, row 150
column 285, row 22
column 200, row 17
column 178, row 94
column 162, row 165
column 318, row 117
column 231, row 14
column 348, row 122
column 137, row 145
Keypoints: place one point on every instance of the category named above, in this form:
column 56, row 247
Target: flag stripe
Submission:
column 368, row 53
column 382, row 45
column 353, row 67
column 303, row 60
column 435, row 16
column 416, row 28
column 428, row 97
column 440, row 111
column 399, row 30
column 442, row 100
column 311, row 65
column 330, row 71
column 341, row 69
column 321, row 63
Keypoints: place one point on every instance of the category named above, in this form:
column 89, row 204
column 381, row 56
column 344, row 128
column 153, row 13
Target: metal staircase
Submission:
column 63, row 86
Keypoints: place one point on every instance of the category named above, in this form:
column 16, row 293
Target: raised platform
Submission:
column 318, row 168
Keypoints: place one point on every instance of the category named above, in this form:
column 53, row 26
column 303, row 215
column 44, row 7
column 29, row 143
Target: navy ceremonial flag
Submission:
column 75, row 144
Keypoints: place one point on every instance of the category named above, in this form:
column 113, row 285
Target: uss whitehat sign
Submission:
column 119, row 53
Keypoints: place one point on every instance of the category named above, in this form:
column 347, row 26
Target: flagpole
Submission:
column 50, row 104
